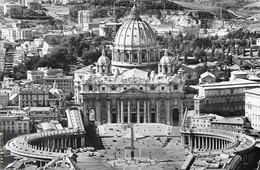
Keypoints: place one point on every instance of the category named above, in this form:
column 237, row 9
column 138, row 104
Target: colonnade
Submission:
column 128, row 56
column 204, row 142
column 143, row 111
column 59, row 144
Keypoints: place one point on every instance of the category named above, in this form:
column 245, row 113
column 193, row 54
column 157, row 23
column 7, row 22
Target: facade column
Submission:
column 199, row 144
column 118, row 111
column 58, row 144
column 210, row 142
column 82, row 142
column 148, row 111
column 168, row 111
column 128, row 111
column 69, row 142
column 48, row 143
column 66, row 143
column 157, row 111
column 122, row 111
column 85, row 111
column 189, row 139
column 62, row 143
column 219, row 143
column 75, row 142
column 108, row 111
column 207, row 144
column 53, row 144
column 138, row 111
column 195, row 142
column 98, row 111
column 145, row 109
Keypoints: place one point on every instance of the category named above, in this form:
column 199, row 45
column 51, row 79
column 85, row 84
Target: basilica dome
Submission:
column 135, row 45
column 135, row 33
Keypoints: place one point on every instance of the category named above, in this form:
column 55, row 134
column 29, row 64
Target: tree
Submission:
column 90, row 56
column 52, row 22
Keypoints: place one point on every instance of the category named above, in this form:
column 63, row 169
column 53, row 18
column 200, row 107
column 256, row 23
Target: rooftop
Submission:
column 228, row 84
column 235, row 121
column 254, row 91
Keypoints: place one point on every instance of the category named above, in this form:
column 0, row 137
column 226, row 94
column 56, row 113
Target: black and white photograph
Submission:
column 130, row 84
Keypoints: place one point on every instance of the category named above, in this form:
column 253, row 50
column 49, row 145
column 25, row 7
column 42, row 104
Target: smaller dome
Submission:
column 103, row 59
column 165, row 59
column 55, row 91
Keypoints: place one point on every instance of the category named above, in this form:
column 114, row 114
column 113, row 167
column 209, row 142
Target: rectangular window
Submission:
column 152, row 87
column 103, row 89
column 175, row 86
column 113, row 88
column 162, row 88
column 90, row 87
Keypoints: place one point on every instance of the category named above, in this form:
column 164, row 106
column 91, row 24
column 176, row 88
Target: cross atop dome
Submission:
column 135, row 13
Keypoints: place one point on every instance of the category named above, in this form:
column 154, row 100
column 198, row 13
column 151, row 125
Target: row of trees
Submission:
column 86, row 46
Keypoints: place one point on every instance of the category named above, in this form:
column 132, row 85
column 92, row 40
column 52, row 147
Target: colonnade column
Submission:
column 128, row 111
column 118, row 111
column 157, row 111
column 108, row 111
column 138, row 111
column 145, row 108
column 122, row 111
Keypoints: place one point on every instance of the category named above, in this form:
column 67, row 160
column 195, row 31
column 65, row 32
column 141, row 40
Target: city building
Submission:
column 4, row 100
column 45, row 76
column 207, row 77
column 15, row 33
column 252, row 107
column 13, row 9
column 223, row 98
column 127, row 89
column 12, row 126
column 43, row 114
column 85, row 20
column 230, row 124
column 190, row 74
column 9, row 86
column 41, row 96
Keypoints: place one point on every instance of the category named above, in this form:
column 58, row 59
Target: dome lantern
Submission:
column 135, row 13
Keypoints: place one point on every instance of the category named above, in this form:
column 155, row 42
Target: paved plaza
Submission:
column 151, row 152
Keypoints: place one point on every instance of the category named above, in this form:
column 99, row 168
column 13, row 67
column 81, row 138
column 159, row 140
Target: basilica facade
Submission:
column 138, row 85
